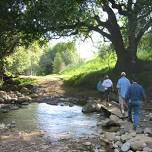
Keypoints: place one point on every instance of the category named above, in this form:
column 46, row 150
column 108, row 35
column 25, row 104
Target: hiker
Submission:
column 108, row 86
column 134, row 96
column 122, row 86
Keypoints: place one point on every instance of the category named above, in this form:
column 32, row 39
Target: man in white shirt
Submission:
column 108, row 85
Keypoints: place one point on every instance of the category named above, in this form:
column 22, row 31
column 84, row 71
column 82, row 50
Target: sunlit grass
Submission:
column 145, row 55
column 93, row 65
column 87, row 74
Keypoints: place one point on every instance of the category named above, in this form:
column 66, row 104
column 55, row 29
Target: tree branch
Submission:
column 100, row 23
column 143, row 30
column 118, row 7
column 104, row 34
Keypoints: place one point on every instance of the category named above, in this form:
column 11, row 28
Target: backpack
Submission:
column 100, row 88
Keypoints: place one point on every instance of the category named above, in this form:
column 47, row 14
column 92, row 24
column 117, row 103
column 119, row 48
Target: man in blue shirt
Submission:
column 122, row 86
column 134, row 96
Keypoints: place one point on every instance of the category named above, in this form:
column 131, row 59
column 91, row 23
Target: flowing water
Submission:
column 56, row 121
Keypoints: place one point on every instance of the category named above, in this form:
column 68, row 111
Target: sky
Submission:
column 86, row 49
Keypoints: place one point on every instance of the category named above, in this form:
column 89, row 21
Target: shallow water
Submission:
column 58, row 122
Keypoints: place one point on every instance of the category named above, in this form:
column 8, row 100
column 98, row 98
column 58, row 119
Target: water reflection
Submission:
column 57, row 121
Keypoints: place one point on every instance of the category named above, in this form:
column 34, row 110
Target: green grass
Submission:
column 89, row 73
column 25, row 80
column 86, row 75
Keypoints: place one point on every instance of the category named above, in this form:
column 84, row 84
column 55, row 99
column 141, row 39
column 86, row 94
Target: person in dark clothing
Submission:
column 134, row 96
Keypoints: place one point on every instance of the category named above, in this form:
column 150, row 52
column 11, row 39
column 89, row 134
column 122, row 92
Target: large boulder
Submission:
column 24, row 99
column 25, row 90
column 107, row 123
column 89, row 107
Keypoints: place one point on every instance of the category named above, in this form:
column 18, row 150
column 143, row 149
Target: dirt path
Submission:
column 54, row 86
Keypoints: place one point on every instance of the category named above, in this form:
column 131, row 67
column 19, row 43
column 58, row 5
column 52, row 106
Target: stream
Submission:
column 57, row 121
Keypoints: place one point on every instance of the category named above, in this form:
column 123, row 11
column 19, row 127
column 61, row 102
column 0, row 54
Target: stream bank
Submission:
column 111, row 137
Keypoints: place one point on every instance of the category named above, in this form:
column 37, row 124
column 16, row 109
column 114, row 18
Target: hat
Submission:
column 123, row 74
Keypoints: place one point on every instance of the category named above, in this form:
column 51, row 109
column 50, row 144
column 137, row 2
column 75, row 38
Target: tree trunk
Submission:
column 2, row 68
column 127, row 61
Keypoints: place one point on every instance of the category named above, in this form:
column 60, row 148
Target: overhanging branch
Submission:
column 118, row 7
column 100, row 23
column 104, row 34
column 143, row 30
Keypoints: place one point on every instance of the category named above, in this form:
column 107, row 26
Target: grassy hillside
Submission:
column 89, row 73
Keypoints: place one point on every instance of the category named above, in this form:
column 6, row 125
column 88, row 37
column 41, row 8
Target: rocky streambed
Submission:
column 95, row 130
column 61, row 126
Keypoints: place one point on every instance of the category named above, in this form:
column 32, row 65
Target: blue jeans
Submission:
column 133, row 112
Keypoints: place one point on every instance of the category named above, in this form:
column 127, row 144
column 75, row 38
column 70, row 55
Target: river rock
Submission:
column 148, row 131
column 107, row 123
column 117, row 138
column 150, row 116
column 139, row 131
column 2, row 126
column 18, row 94
column 2, row 94
column 25, row 90
column 25, row 103
column 116, row 150
column 1, row 100
column 118, row 143
column 125, row 137
column 140, row 141
column 11, row 125
column 89, row 107
column 109, row 136
column 125, row 147
column 24, row 99
column 147, row 149
column 34, row 95
column 114, row 118
column 14, row 107
column 87, row 145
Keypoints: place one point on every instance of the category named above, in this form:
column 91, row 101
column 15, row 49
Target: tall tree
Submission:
column 24, row 60
column 122, row 22
column 67, row 52
column 13, row 20
column 58, row 63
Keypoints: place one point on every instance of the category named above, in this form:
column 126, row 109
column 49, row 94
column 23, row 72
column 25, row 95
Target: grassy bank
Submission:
column 88, row 74
column 85, row 76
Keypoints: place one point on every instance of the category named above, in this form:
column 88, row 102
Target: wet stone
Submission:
column 125, row 147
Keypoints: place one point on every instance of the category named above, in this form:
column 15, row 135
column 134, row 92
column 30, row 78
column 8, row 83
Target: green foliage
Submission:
column 23, row 21
column 24, row 60
column 15, row 27
column 58, row 64
column 23, row 81
column 145, row 47
column 121, row 22
column 68, row 56
column 106, row 52
column 87, row 74
column 18, row 62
